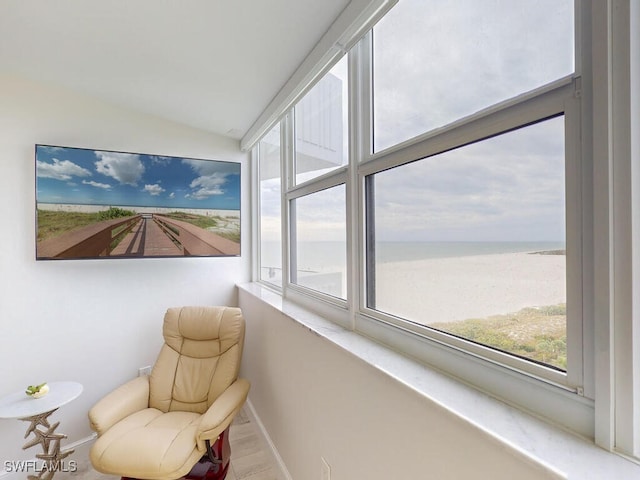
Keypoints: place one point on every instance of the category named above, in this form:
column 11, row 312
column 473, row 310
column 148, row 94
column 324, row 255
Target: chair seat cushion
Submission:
column 149, row 444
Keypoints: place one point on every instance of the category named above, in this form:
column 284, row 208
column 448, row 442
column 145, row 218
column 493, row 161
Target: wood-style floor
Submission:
column 249, row 461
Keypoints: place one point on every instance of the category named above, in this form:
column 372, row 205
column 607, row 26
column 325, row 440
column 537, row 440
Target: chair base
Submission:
column 206, row 468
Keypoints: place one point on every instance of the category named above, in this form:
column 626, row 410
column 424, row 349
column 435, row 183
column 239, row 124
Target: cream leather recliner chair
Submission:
column 160, row 427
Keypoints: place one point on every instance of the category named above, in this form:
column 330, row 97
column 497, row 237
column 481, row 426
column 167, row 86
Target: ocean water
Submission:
column 331, row 256
column 387, row 252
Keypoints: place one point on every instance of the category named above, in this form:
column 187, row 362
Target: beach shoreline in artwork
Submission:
column 229, row 219
column 70, row 207
column 450, row 289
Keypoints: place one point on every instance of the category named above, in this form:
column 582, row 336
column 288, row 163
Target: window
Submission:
column 435, row 62
column 270, row 208
column 472, row 242
column 470, row 190
column 317, row 214
column 319, row 241
column 321, row 126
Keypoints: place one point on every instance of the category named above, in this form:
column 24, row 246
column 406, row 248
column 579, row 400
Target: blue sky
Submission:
column 96, row 177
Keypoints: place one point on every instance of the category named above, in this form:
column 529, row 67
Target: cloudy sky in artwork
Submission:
column 93, row 177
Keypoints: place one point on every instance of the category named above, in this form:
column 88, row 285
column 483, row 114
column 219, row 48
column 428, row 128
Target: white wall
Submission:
column 317, row 400
column 93, row 321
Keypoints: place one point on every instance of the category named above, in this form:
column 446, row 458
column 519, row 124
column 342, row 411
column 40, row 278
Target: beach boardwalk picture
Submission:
column 104, row 204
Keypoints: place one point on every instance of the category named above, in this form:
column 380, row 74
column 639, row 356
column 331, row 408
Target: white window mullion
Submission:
column 576, row 351
column 599, row 131
column 256, row 219
column 286, row 169
column 360, row 149
column 365, row 96
column 353, row 210
column 634, row 55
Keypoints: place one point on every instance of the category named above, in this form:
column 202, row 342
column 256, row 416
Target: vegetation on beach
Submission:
column 114, row 212
column 52, row 223
column 213, row 223
column 536, row 333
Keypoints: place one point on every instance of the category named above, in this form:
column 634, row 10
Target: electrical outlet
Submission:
column 325, row 470
column 144, row 371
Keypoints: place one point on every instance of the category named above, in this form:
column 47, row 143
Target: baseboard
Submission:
column 78, row 461
column 282, row 472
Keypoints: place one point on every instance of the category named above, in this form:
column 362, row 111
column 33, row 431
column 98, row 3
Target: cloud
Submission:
column 60, row 170
column 153, row 190
column 210, row 167
column 96, row 184
column 509, row 187
column 271, row 231
column 212, row 175
column 321, row 216
column 160, row 160
column 459, row 58
column 126, row 168
column 462, row 57
column 172, row 195
column 207, row 186
column 50, row 149
column 270, row 205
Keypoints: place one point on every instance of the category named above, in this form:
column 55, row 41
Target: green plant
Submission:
column 537, row 333
column 114, row 212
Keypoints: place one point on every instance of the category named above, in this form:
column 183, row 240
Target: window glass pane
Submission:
column 322, row 125
column 436, row 61
column 270, row 208
column 320, row 239
column 472, row 242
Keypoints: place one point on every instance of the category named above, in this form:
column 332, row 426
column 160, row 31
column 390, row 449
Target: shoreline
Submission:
column 549, row 252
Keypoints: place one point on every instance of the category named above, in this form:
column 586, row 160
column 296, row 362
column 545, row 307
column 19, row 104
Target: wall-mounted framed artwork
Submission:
column 106, row 204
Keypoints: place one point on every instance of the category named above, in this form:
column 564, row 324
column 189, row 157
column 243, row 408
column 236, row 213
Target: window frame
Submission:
column 256, row 158
column 545, row 391
column 294, row 183
column 330, row 180
column 559, row 98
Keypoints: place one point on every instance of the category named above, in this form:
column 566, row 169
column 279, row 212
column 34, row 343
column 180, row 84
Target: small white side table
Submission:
column 37, row 411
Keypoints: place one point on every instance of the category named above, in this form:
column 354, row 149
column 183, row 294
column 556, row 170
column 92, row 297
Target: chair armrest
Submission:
column 120, row 403
column 221, row 412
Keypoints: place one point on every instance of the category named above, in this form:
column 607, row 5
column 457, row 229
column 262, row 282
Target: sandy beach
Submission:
column 454, row 289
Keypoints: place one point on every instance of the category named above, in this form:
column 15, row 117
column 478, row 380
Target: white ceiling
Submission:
column 209, row 64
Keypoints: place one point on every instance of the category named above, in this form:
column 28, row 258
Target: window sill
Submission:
column 547, row 445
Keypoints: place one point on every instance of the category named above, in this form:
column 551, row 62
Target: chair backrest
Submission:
column 199, row 360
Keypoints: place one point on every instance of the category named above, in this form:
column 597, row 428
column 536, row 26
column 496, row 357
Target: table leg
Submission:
column 50, row 442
